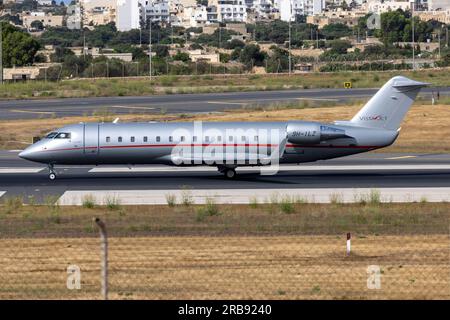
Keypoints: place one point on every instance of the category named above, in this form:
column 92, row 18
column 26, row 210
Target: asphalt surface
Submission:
column 178, row 103
column 39, row 187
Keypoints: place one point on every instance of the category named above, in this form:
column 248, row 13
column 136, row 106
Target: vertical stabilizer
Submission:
column 387, row 108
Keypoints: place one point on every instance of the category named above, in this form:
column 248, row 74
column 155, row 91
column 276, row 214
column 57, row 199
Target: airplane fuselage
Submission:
column 154, row 143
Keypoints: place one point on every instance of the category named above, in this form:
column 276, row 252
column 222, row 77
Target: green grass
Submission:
column 207, row 84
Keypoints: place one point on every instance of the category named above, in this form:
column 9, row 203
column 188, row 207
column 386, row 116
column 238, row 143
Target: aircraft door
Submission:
column 91, row 138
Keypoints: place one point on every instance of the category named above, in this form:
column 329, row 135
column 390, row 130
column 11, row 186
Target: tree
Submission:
column 19, row 48
column 160, row 50
column 37, row 25
column 181, row 56
column 335, row 31
column 251, row 55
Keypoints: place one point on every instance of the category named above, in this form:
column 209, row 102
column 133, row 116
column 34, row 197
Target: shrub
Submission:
column 186, row 196
column 286, row 205
column 88, row 201
column 112, row 203
column 12, row 204
column 171, row 199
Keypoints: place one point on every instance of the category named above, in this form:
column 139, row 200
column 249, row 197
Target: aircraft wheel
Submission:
column 52, row 176
column 230, row 173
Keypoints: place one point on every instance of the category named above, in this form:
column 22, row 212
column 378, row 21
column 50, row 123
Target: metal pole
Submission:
column 317, row 38
column 412, row 27
column 446, row 36
column 104, row 257
column 290, row 59
column 1, row 53
column 439, row 43
column 150, row 51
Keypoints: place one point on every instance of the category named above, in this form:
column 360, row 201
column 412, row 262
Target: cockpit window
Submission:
column 51, row 135
column 63, row 135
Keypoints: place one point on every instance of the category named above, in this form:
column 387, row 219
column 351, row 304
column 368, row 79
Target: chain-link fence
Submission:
column 281, row 256
column 116, row 68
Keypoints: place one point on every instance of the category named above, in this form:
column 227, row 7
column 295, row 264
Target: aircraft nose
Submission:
column 27, row 154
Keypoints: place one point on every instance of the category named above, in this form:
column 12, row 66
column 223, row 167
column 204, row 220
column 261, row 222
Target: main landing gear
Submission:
column 229, row 173
column 52, row 174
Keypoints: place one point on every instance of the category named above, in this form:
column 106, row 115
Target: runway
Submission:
column 178, row 103
column 421, row 173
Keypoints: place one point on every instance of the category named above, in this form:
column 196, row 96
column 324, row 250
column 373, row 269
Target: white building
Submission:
column 379, row 7
column 262, row 8
column 198, row 16
column 44, row 2
column 128, row 15
column 291, row 8
column 73, row 17
column 438, row 5
column 230, row 10
column 155, row 11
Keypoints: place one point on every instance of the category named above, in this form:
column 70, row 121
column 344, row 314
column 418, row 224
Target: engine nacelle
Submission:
column 312, row 133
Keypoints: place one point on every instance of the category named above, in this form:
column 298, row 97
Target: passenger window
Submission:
column 119, row 139
column 170, row 138
column 230, row 138
column 108, row 139
column 145, row 139
column 219, row 138
column 194, row 139
column 207, row 139
column 243, row 138
column 63, row 135
column 182, row 138
column 132, row 139
column 158, row 139
column 256, row 138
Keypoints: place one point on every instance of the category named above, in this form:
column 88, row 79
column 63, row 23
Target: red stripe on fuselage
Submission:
column 214, row 145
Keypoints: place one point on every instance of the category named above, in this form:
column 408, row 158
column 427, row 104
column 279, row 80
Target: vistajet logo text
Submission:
column 373, row 118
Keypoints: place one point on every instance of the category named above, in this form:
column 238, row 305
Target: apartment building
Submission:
column 379, row 7
column 230, row 10
column 289, row 9
column 156, row 11
column 128, row 15
column 98, row 12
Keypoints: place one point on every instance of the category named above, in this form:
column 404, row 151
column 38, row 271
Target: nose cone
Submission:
column 29, row 154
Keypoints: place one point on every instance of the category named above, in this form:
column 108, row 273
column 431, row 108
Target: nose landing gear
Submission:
column 52, row 174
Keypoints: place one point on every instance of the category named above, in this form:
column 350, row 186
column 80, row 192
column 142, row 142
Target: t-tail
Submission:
column 387, row 108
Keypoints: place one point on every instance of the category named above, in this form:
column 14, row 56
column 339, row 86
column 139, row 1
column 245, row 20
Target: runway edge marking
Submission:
column 282, row 168
column 246, row 196
column 10, row 170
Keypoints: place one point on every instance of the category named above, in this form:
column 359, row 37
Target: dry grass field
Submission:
column 232, row 252
column 282, row 267
column 424, row 130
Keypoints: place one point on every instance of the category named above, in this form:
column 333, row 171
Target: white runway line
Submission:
column 245, row 196
column 20, row 170
column 282, row 168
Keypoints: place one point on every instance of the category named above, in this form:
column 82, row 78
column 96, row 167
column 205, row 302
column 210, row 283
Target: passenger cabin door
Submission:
column 91, row 138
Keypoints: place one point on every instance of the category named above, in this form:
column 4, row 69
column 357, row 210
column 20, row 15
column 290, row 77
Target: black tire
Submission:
column 230, row 173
